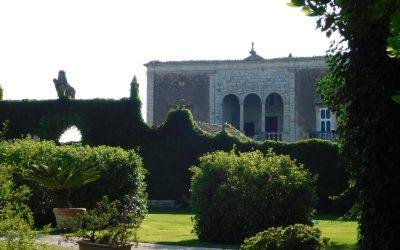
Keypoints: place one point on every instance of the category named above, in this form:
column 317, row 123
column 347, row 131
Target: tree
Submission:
column 363, row 76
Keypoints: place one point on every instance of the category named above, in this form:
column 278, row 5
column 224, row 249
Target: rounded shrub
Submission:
column 295, row 237
column 121, row 173
column 234, row 196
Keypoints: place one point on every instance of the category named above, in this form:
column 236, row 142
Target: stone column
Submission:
column 221, row 120
column 241, row 117
column 262, row 117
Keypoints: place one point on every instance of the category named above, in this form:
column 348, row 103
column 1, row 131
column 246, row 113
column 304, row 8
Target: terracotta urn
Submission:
column 69, row 218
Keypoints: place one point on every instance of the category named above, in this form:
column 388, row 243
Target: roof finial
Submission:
column 252, row 52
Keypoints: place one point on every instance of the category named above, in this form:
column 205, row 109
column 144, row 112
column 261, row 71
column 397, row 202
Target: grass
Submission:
column 174, row 227
column 343, row 234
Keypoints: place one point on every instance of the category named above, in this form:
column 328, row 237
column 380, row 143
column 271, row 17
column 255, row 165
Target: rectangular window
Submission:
column 325, row 119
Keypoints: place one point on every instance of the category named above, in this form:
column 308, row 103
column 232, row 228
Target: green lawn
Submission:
column 172, row 227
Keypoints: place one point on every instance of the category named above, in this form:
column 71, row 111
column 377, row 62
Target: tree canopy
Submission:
column 362, row 86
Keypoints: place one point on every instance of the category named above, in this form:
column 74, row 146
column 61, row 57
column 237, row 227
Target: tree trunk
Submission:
column 63, row 199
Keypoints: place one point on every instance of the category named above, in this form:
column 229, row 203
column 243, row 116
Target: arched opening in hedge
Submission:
column 52, row 127
column 70, row 135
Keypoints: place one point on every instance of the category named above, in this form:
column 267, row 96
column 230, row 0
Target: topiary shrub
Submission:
column 235, row 196
column 295, row 237
column 121, row 173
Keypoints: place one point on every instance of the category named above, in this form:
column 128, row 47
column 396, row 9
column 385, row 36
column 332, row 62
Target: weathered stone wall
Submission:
column 208, row 82
column 169, row 88
column 305, row 80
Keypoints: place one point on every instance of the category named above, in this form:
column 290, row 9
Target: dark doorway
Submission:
column 249, row 129
column 271, row 124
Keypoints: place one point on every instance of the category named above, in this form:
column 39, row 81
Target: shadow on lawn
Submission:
column 337, row 246
column 198, row 243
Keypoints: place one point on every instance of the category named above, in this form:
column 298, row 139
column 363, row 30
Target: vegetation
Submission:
column 62, row 176
column 16, row 219
column 174, row 227
column 100, row 121
column 112, row 223
column 234, row 196
column 295, row 237
column 121, row 173
column 178, row 143
column 169, row 150
column 362, row 78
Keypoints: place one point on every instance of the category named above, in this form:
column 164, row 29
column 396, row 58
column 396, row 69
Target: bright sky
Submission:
column 101, row 44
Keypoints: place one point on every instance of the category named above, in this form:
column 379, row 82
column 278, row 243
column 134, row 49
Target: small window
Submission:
column 325, row 119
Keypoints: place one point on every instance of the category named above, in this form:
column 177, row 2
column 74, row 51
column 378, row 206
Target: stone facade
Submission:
column 263, row 97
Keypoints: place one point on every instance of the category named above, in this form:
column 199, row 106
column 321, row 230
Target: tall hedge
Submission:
column 178, row 143
column 170, row 149
column 100, row 121
column 237, row 195
column 122, row 173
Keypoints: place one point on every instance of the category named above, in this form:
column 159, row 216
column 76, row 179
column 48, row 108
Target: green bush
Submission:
column 178, row 143
column 112, row 223
column 16, row 220
column 295, row 237
column 235, row 196
column 170, row 149
column 121, row 173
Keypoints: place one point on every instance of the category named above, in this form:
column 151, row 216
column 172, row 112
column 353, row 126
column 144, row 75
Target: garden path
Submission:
column 59, row 240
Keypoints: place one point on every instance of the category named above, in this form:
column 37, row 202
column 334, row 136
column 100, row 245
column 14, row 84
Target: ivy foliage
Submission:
column 100, row 121
column 178, row 143
column 169, row 150
column 361, row 86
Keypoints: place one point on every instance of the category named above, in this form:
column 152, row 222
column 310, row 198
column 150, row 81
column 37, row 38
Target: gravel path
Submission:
column 59, row 240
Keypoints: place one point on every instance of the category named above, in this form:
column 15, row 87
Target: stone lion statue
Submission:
column 64, row 90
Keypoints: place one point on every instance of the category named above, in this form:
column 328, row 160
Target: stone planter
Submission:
column 69, row 218
column 87, row 245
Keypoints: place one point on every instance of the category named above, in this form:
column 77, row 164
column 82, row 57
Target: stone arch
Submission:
column 252, row 114
column 52, row 126
column 274, row 117
column 231, row 110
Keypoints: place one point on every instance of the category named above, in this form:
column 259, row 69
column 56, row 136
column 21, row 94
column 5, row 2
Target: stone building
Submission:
column 264, row 98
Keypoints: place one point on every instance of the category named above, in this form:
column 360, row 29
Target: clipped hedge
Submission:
column 178, row 143
column 122, row 173
column 100, row 121
column 295, row 237
column 170, row 149
column 234, row 196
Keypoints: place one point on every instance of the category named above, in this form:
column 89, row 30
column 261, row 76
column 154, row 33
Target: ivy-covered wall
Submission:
column 101, row 121
column 169, row 150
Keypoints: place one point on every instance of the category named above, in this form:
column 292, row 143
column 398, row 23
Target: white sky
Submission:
column 101, row 44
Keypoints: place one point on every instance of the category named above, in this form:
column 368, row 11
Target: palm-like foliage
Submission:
column 62, row 178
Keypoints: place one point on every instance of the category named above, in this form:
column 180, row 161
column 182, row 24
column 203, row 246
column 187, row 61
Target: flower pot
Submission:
column 87, row 245
column 69, row 218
